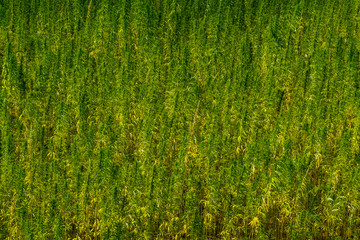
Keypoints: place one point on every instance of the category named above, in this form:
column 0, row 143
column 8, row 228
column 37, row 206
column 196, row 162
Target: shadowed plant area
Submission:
column 179, row 119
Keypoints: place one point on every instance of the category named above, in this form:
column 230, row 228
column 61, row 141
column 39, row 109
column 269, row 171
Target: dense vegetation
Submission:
column 172, row 119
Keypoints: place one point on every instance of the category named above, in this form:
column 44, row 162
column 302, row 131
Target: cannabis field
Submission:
column 180, row 119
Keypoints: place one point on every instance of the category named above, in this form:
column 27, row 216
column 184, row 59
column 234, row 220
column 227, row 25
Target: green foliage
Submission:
column 141, row 119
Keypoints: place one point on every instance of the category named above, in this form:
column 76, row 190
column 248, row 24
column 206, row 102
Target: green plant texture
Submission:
column 179, row 119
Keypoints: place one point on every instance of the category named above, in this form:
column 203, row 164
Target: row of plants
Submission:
column 179, row 119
